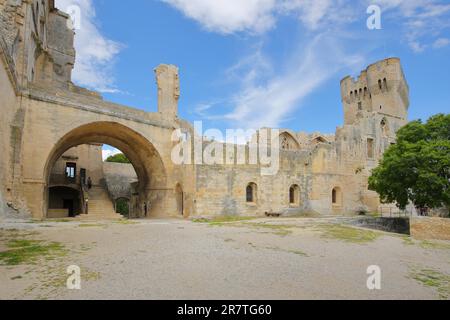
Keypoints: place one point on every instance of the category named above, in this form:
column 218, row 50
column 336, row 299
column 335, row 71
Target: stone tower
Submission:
column 168, row 83
column 380, row 90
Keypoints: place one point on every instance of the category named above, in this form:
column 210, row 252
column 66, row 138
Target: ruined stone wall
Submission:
column 221, row 189
column 10, row 136
column 44, row 114
column 320, row 163
column 118, row 178
column 429, row 228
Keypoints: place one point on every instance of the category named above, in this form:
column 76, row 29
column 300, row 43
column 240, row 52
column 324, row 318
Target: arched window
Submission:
column 294, row 195
column 319, row 139
column 370, row 148
column 336, row 196
column 385, row 84
column 380, row 85
column 251, row 193
column 384, row 127
column 288, row 142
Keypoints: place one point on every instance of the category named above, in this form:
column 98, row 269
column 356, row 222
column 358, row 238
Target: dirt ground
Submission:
column 287, row 258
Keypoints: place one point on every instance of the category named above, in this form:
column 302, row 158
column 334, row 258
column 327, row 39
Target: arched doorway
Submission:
column 294, row 196
column 251, row 193
column 336, row 197
column 64, row 202
column 150, row 191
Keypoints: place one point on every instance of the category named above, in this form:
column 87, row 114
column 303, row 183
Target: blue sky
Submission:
column 255, row 63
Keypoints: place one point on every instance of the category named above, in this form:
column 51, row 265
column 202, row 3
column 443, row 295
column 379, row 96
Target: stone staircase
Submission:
column 100, row 205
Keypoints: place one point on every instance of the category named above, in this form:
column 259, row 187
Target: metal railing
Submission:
column 394, row 212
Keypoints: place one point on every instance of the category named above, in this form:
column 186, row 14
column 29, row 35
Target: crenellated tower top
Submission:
column 380, row 89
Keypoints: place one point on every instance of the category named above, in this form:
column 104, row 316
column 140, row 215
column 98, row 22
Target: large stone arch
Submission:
column 142, row 153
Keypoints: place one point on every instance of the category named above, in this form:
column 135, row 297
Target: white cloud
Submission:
column 419, row 20
column 107, row 152
column 441, row 43
column 319, row 13
column 422, row 21
column 258, row 16
column 95, row 54
column 229, row 16
column 267, row 103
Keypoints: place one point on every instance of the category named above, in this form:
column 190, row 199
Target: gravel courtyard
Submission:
column 288, row 258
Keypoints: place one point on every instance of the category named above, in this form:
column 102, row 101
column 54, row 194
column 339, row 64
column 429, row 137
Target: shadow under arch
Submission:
column 143, row 155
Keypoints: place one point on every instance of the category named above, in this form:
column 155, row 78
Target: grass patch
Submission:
column 34, row 221
column 298, row 252
column 60, row 220
column 303, row 215
column 29, row 251
column 125, row 221
column 223, row 219
column 425, row 244
column 348, row 234
column 278, row 229
column 12, row 234
column 91, row 225
column 407, row 240
column 433, row 279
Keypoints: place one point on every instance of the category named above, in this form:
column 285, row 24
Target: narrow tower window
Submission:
column 336, row 196
column 370, row 152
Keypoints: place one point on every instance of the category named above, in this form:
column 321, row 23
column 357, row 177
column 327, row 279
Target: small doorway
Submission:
column 69, row 205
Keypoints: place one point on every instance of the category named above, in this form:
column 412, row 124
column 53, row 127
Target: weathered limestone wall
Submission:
column 119, row 177
column 221, row 189
column 430, row 228
column 9, row 134
column 318, row 163
column 87, row 156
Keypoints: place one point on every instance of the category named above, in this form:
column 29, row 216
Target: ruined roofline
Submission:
column 370, row 66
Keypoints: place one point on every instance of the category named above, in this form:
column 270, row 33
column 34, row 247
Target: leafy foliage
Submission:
column 122, row 207
column 118, row 158
column 417, row 168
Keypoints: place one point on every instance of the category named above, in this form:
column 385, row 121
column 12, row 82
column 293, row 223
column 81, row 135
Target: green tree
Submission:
column 122, row 207
column 417, row 167
column 118, row 158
